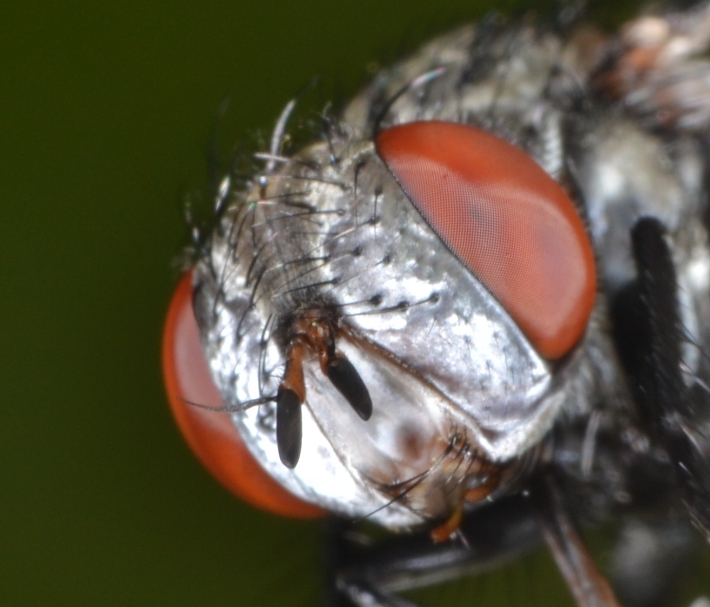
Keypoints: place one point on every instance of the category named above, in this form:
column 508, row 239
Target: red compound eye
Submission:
column 506, row 219
column 211, row 434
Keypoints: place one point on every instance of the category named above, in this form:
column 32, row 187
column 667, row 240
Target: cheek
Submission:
column 211, row 434
column 510, row 223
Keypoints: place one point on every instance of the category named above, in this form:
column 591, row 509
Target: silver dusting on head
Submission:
column 459, row 395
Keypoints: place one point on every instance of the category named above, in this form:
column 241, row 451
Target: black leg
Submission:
column 650, row 340
column 372, row 575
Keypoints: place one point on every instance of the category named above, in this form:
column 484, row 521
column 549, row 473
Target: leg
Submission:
column 669, row 407
column 494, row 535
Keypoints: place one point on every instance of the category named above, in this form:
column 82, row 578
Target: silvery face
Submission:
column 459, row 394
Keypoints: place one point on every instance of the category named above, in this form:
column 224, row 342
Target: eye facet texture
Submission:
column 506, row 219
column 212, row 435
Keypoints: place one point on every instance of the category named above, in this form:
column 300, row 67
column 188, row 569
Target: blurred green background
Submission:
column 106, row 111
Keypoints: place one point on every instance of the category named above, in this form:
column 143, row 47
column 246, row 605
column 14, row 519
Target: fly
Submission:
column 479, row 300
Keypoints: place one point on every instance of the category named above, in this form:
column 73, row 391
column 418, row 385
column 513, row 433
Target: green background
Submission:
column 106, row 111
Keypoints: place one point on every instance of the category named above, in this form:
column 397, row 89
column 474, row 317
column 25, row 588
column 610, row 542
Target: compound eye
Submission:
column 211, row 434
column 507, row 220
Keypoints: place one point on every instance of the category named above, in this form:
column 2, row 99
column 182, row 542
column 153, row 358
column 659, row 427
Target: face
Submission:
column 448, row 291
